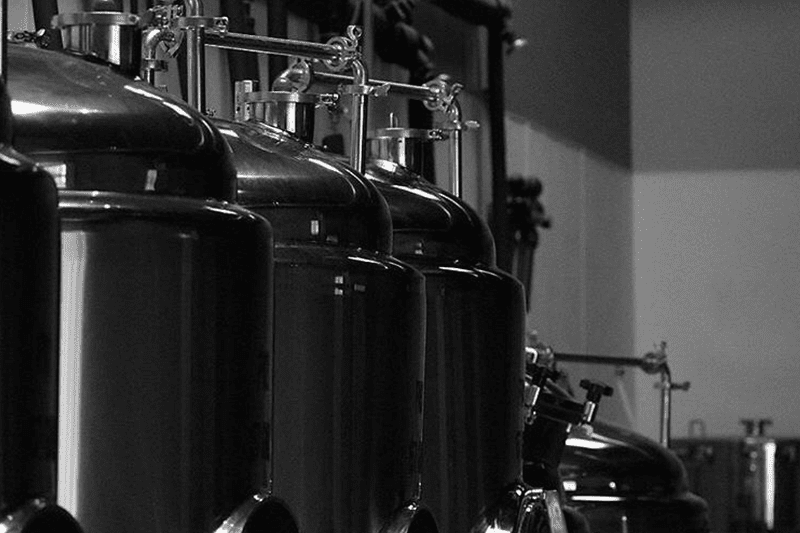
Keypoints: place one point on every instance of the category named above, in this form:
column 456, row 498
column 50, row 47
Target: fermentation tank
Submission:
column 349, row 340
column 165, row 305
column 29, row 266
column 618, row 481
column 751, row 482
column 474, row 355
column 623, row 482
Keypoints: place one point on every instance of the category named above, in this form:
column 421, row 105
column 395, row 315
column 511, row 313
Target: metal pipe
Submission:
column 277, row 26
column 195, row 58
column 43, row 13
column 3, row 45
column 358, row 123
column 271, row 45
column 497, row 127
column 417, row 92
column 598, row 359
column 455, row 149
column 367, row 47
column 666, row 407
column 150, row 40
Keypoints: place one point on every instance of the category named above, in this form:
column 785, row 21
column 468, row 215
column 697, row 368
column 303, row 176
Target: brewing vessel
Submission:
column 29, row 267
column 751, row 481
column 349, row 348
column 474, row 355
column 622, row 482
column 165, row 308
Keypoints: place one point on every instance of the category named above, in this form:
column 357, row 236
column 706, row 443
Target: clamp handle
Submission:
column 595, row 390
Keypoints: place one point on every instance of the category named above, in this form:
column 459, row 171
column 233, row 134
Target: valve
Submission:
column 536, row 376
column 750, row 426
column 595, row 390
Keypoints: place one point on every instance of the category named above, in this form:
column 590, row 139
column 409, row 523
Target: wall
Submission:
column 568, row 124
column 573, row 78
column 717, row 205
column 582, row 297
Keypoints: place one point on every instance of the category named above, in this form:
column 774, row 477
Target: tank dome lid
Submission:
column 429, row 222
column 97, row 130
column 308, row 196
column 616, row 462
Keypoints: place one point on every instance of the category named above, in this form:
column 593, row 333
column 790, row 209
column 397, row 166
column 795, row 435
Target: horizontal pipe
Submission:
column 417, row 92
column 598, row 359
column 272, row 45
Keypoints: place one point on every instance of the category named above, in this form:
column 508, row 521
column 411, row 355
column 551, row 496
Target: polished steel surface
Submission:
column 751, row 483
column 309, row 196
column 29, row 313
column 474, row 354
column 288, row 111
column 614, row 476
column 617, row 462
column 29, row 252
column 97, row 130
column 430, row 224
column 165, row 361
column 349, row 341
column 110, row 37
column 403, row 146
column 348, row 387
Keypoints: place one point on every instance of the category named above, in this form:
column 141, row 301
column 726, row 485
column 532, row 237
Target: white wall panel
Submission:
column 582, row 297
column 717, row 262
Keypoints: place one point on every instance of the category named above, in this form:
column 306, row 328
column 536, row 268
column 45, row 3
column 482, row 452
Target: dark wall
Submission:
column 573, row 78
column 716, row 85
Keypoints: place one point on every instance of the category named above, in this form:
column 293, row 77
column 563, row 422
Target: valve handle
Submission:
column 596, row 390
column 539, row 374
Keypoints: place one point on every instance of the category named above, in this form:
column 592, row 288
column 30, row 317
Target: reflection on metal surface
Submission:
column 349, row 341
column 165, row 363
column 73, row 282
column 597, row 499
column 474, row 356
column 770, row 450
column 586, row 443
column 39, row 515
column 112, row 133
column 311, row 198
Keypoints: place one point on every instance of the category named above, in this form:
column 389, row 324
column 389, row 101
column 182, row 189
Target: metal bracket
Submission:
column 369, row 90
column 40, row 38
column 219, row 24
column 347, row 45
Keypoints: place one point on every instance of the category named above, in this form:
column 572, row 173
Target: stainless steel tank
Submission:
column 625, row 483
column 29, row 267
column 751, row 482
column 165, row 309
column 472, row 467
column 349, row 340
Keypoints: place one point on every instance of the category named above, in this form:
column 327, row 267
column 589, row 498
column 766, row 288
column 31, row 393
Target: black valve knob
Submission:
column 596, row 390
column 539, row 374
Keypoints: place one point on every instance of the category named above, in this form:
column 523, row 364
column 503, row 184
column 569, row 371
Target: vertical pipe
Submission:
column 455, row 151
column 455, row 163
column 358, row 126
column 499, row 221
column 277, row 26
column 43, row 12
column 3, row 46
column 195, row 58
column 368, row 40
column 666, row 407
